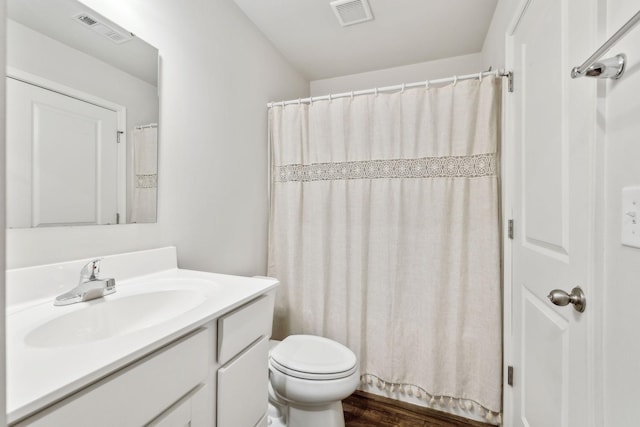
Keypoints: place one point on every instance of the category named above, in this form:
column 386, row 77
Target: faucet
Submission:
column 89, row 287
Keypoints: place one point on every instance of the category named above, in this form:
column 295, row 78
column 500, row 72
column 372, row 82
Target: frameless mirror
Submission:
column 82, row 118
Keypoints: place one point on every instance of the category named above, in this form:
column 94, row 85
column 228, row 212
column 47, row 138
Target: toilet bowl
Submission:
column 309, row 376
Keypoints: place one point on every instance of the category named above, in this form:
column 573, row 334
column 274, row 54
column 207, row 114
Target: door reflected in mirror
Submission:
column 82, row 118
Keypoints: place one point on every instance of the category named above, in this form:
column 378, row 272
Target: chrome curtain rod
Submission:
column 401, row 87
column 150, row 125
column 611, row 68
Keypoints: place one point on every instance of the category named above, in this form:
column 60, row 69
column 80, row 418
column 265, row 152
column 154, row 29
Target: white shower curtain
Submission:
column 145, row 169
column 384, row 232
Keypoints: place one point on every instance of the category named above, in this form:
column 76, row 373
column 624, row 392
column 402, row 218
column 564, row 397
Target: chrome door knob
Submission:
column 576, row 297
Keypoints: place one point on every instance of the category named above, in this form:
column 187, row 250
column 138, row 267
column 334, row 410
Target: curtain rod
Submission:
column 400, row 87
column 150, row 125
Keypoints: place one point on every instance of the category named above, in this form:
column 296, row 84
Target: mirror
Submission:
column 82, row 118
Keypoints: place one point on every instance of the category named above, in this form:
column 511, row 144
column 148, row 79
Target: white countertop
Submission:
column 40, row 375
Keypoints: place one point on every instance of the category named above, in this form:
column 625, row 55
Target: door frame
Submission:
column 121, row 113
column 595, row 289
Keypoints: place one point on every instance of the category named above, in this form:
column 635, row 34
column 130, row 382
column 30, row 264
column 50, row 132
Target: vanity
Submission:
column 170, row 347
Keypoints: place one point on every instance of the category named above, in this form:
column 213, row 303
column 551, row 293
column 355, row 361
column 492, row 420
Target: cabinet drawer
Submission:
column 136, row 394
column 238, row 329
column 243, row 387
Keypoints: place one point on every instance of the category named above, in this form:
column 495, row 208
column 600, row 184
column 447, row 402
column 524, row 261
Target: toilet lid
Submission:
column 313, row 357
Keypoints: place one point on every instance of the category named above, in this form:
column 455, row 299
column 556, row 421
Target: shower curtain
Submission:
column 384, row 233
column 145, row 169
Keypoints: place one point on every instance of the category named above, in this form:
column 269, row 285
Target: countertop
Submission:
column 39, row 375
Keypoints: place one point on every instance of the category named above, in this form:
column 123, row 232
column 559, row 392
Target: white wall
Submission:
column 217, row 74
column 3, row 409
column 493, row 49
column 466, row 64
column 622, row 264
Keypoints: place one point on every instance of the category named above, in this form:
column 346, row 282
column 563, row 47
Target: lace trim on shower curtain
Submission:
column 426, row 167
column 147, row 180
column 433, row 400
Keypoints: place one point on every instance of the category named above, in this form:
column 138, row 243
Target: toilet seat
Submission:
column 310, row 375
column 313, row 358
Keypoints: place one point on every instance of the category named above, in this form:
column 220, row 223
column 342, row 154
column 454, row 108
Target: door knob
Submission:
column 576, row 297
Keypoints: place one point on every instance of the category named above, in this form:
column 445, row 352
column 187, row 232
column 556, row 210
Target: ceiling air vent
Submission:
column 116, row 35
column 351, row 12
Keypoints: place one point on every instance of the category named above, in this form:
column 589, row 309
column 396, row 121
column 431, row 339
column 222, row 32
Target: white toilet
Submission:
column 309, row 376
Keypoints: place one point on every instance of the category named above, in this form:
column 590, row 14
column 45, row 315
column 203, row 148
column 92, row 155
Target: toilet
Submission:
column 308, row 377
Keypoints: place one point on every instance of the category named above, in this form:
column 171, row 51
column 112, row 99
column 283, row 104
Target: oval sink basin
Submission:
column 106, row 318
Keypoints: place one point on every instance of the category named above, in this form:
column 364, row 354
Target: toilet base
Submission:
column 330, row 415
column 317, row 416
column 275, row 417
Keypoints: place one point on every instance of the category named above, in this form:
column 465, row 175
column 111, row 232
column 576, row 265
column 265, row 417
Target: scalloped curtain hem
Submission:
column 433, row 399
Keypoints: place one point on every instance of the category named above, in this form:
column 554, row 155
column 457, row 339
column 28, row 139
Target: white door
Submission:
column 61, row 159
column 552, row 137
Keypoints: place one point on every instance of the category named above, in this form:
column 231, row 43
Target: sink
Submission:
column 113, row 316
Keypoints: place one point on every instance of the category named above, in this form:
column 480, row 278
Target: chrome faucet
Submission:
column 90, row 286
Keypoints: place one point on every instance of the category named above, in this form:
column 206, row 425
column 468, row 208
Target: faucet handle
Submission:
column 90, row 270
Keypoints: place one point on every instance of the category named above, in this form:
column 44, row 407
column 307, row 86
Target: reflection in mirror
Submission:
column 82, row 114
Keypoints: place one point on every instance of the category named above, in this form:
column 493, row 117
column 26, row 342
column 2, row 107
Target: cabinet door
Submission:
column 187, row 412
column 178, row 415
column 243, row 387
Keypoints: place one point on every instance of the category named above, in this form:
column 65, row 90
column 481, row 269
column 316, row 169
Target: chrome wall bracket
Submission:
column 609, row 68
column 509, row 76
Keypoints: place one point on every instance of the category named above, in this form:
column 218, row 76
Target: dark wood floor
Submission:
column 365, row 410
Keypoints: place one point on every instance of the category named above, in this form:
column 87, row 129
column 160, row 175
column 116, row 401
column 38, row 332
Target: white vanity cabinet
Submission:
column 170, row 348
column 215, row 376
column 135, row 395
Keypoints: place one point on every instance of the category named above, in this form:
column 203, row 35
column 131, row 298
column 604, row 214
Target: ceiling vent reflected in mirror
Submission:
column 351, row 12
column 108, row 31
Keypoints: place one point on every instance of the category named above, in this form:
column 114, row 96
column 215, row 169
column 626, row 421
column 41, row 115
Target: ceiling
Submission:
column 403, row 32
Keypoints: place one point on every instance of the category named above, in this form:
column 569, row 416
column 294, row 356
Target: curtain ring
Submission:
column 402, row 91
column 376, row 91
column 455, row 80
column 299, row 101
column 426, row 84
column 480, row 76
column 283, row 104
column 352, row 95
column 330, row 98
